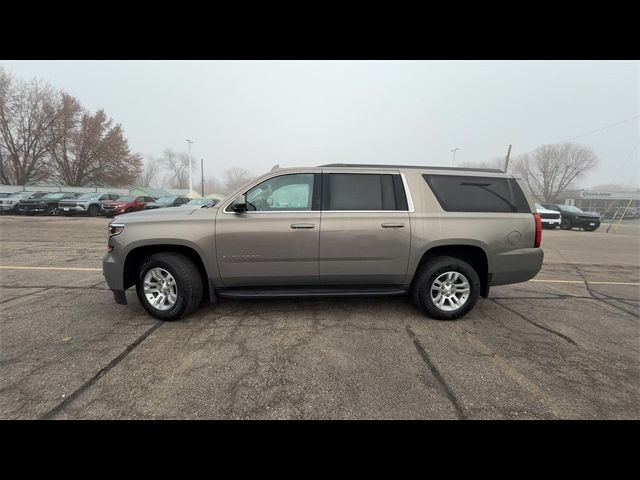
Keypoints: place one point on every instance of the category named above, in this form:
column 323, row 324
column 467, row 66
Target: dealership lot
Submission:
column 566, row 345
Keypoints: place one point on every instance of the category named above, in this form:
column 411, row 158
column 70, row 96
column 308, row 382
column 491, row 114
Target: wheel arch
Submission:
column 471, row 251
column 136, row 255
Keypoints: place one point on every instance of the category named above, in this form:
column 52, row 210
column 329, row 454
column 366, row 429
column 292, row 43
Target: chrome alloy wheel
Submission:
column 160, row 288
column 450, row 291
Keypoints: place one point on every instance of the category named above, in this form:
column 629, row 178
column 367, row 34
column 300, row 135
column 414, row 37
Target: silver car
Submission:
column 89, row 203
column 442, row 235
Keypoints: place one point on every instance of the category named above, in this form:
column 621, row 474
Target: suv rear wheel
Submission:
column 446, row 288
column 169, row 285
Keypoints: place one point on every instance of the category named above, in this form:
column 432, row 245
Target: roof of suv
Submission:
column 417, row 167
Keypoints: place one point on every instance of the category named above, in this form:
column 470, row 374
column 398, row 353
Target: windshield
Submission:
column 570, row 208
column 55, row 195
column 126, row 198
column 89, row 196
column 166, row 200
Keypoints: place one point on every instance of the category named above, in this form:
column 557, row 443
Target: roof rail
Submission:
column 421, row 167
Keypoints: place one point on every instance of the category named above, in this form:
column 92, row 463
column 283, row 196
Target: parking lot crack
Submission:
column 82, row 388
column 436, row 373
column 566, row 338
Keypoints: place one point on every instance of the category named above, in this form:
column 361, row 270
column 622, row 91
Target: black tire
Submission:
column 188, row 282
column 426, row 275
column 93, row 210
column 566, row 224
column 52, row 210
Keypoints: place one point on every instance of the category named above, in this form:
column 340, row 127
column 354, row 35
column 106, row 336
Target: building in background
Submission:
column 601, row 202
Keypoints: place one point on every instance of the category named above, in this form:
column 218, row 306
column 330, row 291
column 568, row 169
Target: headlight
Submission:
column 115, row 229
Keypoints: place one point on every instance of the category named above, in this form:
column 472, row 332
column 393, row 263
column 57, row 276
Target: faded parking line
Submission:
column 76, row 269
column 582, row 282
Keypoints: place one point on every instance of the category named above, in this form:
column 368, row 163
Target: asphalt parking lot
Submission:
column 566, row 345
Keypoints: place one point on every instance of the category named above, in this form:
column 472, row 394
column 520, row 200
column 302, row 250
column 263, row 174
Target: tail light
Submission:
column 538, row 239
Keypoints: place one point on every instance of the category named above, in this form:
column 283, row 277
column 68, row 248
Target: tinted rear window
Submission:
column 478, row 194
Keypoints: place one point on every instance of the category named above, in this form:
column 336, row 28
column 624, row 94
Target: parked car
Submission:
column 9, row 204
column 48, row 203
column 168, row 201
column 550, row 218
column 573, row 217
column 88, row 203
column 443, row 235
column 125, row 204
column 202, row 202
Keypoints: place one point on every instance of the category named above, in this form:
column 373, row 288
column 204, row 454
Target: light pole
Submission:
column 454, row 156
column 190, row 179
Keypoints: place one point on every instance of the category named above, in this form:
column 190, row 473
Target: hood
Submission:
column 590, row 214
column 156, row 214
column 546, row 210
column 115, row 202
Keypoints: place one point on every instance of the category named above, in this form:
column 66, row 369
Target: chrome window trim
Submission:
column 410, row 209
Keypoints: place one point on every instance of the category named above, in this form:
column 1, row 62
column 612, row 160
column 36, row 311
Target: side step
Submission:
column 354, row 291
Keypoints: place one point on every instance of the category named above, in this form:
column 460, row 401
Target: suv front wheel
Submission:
column 169, row 285
column 446, row 288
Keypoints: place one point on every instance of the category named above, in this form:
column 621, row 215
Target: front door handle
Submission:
column 302, row 225
column 392, row 225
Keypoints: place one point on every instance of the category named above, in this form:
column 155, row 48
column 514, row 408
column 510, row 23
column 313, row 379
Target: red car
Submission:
column 126, row 204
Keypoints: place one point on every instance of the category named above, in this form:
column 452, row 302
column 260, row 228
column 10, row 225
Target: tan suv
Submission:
column 444, row 235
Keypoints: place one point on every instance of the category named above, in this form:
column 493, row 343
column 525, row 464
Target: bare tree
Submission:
column 213, row 185
column 235, row 177
column 149, row 175
column 178, row 165
column 27, row 112
column 551, row 169
column 92, row 150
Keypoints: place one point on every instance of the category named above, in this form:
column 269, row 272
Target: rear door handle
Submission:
column 302, row 225
column 392, row 225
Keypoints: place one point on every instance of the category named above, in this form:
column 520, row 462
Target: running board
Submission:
column 310, row 292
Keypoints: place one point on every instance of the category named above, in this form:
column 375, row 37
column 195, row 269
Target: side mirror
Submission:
column 239, row 204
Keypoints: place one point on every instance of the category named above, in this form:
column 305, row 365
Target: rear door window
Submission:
column 477, row 194
column 363, row 191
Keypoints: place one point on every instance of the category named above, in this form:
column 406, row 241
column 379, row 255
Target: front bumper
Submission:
column 112, row 270
column 515, row 266
column 76, row 209
column 6, row 207
column 581, row 222
column 31, row 208
column 550, row 221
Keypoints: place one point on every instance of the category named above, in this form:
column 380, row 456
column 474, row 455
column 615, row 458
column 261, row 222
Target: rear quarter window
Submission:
column 457, row 193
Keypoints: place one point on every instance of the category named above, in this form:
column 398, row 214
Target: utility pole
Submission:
column 454, row 156
column 506, row 160
column 190, row 168
column 202, row 175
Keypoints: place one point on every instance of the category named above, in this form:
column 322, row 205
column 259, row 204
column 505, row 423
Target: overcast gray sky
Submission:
column 255, row 114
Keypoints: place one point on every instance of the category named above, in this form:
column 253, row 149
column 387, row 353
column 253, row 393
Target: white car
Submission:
column 550, row 218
